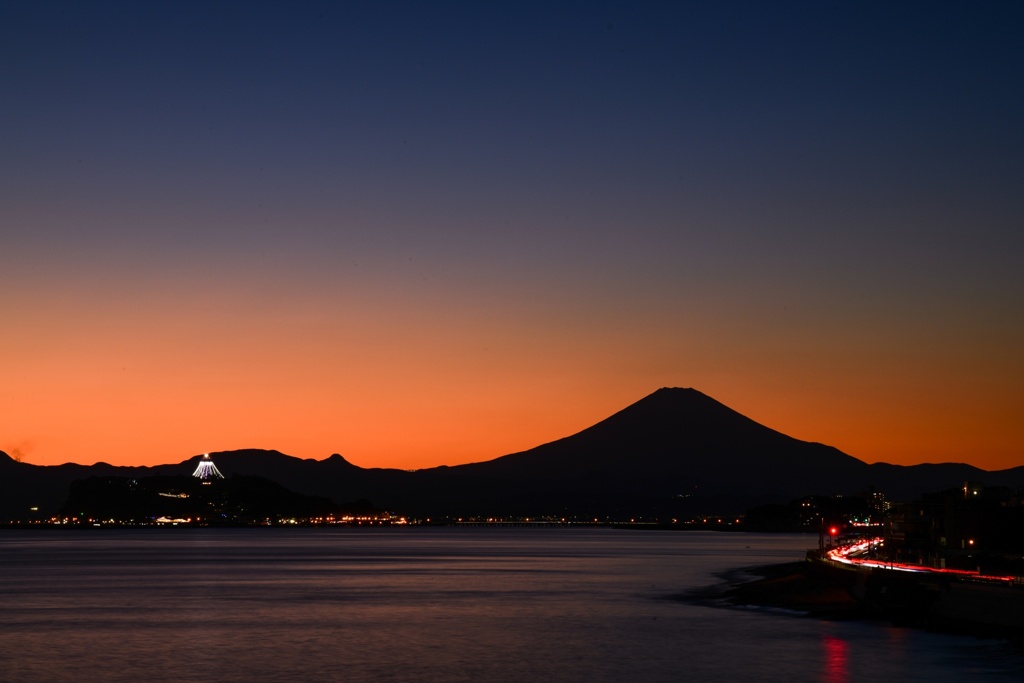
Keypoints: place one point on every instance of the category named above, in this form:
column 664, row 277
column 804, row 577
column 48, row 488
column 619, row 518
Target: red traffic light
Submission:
column 833, row 530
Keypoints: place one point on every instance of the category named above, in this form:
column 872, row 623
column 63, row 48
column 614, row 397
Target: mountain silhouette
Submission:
column 674, row 452
column 675, row 444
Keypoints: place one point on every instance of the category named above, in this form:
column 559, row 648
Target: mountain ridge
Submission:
column 672, row 451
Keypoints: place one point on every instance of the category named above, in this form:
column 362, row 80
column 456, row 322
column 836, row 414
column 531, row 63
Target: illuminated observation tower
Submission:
column 206, row 470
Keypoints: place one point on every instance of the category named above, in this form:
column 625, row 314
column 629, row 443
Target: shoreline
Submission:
column 790, row 587
column 806, row 589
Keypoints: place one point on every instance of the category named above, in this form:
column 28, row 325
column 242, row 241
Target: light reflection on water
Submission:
column 426, row 604
column 837, row 665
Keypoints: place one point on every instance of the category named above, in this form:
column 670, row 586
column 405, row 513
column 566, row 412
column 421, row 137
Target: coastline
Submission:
column 808, row 589
column 791, row 587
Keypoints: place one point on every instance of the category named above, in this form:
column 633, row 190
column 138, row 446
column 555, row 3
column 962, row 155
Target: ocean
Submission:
column 426, row 604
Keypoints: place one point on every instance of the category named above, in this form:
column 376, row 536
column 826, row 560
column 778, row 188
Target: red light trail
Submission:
column 852, row 554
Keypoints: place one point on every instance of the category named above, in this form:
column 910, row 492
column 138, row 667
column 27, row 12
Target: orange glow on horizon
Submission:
column 388, row 429
column 410, row 384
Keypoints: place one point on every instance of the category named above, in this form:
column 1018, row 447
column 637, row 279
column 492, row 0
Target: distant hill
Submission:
column 239, row 500
column 673, row 452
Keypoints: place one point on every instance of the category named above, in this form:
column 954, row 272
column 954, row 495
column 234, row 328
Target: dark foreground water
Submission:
column 425, row 605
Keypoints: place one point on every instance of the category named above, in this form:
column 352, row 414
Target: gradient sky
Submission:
column 423, row 233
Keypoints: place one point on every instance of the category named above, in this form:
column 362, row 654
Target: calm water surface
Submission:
column 428, row 604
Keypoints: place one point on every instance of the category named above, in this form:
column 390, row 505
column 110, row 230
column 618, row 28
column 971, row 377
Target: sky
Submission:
column 426, row 233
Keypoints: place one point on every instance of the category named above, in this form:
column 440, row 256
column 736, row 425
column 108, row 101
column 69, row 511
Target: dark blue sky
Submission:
column 489, row 212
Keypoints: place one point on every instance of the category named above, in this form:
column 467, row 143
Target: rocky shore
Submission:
column 809, row 589
column 793, row 586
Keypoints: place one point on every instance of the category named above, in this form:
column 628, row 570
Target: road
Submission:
column 861, row 554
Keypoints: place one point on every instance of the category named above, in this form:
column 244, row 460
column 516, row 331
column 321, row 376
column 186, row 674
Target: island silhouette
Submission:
column 672, row 453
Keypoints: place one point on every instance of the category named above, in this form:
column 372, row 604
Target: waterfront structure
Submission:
column 968, row 528
column 206, row 470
